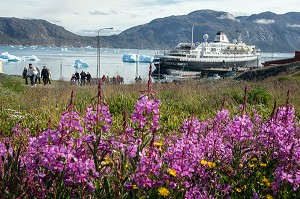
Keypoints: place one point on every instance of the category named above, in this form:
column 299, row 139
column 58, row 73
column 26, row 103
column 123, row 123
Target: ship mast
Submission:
column 192, row 36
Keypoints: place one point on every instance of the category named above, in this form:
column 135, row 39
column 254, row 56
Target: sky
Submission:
column 86, row 17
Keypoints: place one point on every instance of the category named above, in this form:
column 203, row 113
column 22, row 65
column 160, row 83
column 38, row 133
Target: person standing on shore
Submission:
column 50, row 75
column 82, row 77
column 31, row 73
column 77, row 77
column 88, row 78
column 25, row 75
column 45, row 75
column 38, row 75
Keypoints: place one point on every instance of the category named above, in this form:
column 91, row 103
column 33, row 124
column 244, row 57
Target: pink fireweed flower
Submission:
column 97, row 114
column 143, row 108
column 149, row 165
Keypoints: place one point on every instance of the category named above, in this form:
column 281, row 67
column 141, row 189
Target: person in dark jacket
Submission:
column 45, row 75
column 77, row 77
column 82, row 77
column 88, row 78
column 25, row 75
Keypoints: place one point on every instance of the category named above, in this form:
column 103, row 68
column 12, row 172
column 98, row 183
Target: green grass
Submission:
column 32, row 106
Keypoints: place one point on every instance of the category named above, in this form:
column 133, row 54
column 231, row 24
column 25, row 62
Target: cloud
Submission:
column 228, row 16
column 158, row 2
column 97, row 12
column 264, row 21
column 293, row 26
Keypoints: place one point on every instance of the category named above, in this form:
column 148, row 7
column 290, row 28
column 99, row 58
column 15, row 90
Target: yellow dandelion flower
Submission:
column 238, row 190
column 135, row 186
column 263, row 164
column 106, row 158
column 158, row 144
column 106, row 162
column 211, row 164
column 268, row 184
column 203, row 162
column 268, row 196
column 265, row 180
column 251, row 165
column 163, row 191
column 254, row 159
column 172, row 172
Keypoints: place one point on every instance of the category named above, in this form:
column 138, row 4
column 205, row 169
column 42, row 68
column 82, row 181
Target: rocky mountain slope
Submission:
column 268, row 31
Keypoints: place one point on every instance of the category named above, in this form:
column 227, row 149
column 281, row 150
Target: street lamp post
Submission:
column 273, row 46
column 98, row 51
column 60, row 68
column 137, row 64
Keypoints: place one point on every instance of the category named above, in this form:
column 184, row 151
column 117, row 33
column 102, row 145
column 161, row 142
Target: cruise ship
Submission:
column 207, row 55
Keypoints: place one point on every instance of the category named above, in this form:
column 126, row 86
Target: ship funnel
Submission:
column 221, row 37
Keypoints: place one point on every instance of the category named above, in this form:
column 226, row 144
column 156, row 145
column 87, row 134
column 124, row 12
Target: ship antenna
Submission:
column 192, row 35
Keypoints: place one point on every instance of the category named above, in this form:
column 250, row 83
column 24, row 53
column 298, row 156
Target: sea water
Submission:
column 61, row 61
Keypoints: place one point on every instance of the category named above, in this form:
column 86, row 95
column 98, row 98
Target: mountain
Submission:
column 268, row 31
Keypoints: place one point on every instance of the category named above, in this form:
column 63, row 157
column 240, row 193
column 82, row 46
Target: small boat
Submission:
column 163, row 78
column 198, row 56
column 214, row 76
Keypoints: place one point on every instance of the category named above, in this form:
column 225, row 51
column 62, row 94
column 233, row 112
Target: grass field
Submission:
column 197, row 139
column 30, row 106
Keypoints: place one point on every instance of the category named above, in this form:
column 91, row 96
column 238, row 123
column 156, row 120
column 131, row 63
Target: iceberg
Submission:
column 64, row 49
column 30, row 58
column 6, row 57
column 131, row 57
column 80, row 64
column 88, row 47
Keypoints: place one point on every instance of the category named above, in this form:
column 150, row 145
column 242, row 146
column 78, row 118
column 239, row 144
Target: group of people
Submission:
column 114, row 80
column 138, row 80
column 83, row 77
column 34, row 74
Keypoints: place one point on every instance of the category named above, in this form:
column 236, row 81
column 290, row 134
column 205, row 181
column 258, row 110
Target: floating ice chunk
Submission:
column 80, row 64
column 64, row 49
column 88, row 47
column 6, row 57
column 30, row 58
column 146, row 59
column 131, row 57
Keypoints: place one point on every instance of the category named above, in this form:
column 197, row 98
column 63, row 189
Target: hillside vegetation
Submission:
column 163, row 33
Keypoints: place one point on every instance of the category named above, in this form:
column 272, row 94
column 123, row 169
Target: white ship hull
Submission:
column 198, row 65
